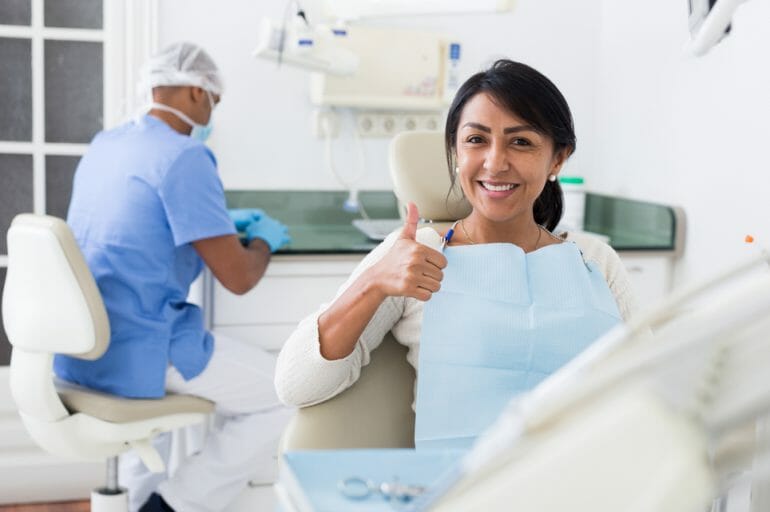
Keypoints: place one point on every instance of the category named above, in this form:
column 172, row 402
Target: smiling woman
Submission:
column 508, row 133
column 503, row 164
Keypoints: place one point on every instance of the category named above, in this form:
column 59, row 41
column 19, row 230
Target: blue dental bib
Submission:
column 502, row 322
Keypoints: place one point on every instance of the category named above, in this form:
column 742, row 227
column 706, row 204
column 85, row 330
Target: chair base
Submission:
column 106, row 500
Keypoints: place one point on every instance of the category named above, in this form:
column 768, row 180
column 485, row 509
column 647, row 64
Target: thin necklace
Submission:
column 539, row 233
column 540, row 230
column 559, row 239
column 462, row 225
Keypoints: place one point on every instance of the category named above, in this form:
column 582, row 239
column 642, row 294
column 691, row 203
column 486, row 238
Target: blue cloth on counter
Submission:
column 310, row 478
column 142, row 193
column 502, row 322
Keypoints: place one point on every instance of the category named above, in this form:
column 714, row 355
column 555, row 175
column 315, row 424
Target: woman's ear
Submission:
column 559, row 158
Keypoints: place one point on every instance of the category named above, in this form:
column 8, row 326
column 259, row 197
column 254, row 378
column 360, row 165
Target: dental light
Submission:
column 310, row 47
column 709, row 22
column 316, row 47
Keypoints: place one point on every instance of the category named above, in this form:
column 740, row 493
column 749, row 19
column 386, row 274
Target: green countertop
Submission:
column 316, row 220
column 319, row 225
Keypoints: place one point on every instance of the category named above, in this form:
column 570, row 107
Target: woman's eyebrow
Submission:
column 521, row 128
column 510, row 129
column 478, row 126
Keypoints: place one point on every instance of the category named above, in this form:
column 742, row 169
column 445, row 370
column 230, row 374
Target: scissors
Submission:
column 357, row 488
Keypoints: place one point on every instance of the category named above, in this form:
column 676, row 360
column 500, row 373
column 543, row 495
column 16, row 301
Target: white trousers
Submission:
column 242, row 444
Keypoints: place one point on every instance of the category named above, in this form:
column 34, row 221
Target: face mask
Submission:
column 200, row 132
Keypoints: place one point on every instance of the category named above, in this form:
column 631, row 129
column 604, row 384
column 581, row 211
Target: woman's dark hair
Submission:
column 528, row 94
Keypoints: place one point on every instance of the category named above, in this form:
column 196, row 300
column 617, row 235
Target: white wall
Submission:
column 262, row 136
column 684, row 130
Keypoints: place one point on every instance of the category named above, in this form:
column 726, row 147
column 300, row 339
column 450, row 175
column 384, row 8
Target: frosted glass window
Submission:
column 73, row 13
column 59, row 171
column 15, row 12
column 5, row 346
column 73, row 90
column 16, row 87
column 15, row 191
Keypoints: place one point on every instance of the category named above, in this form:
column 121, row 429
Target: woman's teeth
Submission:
column 498, row 188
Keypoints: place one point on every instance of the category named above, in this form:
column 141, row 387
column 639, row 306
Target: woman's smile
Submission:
column 496, row 189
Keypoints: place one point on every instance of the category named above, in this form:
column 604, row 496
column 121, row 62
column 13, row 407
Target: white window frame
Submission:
column 129, row 35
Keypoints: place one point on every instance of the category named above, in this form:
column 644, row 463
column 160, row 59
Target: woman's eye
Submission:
column 475, row 139
column 521, row 142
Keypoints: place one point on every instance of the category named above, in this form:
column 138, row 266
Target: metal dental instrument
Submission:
column 357, row 488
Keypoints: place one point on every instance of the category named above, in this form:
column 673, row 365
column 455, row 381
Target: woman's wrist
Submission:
column 370, row 285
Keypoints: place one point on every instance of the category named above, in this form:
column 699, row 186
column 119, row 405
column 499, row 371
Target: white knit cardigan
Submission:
column 304, row 377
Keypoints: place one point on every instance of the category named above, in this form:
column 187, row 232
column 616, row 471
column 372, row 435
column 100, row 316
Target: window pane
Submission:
column 5, row 346
column 15, row 12
column 73, row 13
column 59, row 171
column 16, row 85
column 15, row 191
column 73, row 90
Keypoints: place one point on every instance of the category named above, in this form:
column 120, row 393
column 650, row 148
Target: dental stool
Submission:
column 51, row 305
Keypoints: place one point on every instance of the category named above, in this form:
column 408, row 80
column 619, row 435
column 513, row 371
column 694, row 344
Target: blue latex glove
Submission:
column 242, row 217
column 273, row 232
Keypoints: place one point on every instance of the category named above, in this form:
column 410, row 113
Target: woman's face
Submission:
column 503, row 162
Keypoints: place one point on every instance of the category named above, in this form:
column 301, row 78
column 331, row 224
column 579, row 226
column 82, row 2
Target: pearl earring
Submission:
column 457, row 170
column 551, row 178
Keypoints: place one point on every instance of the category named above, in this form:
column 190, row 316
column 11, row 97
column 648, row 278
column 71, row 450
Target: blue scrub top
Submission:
column 142, row 193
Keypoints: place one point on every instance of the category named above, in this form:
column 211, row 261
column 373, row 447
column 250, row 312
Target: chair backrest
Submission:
column 418, row 168
column 51, row 305
column 376, row 412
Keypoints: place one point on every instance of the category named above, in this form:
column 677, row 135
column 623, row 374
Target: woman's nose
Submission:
column 496, row 160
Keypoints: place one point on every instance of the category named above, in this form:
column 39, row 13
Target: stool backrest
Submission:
column 51, row 305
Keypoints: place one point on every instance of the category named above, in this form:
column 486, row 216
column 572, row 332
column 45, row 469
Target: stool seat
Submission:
column 116, row 409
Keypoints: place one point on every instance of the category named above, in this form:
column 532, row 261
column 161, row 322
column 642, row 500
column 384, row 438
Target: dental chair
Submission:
column 51, row 305
column 376, row 412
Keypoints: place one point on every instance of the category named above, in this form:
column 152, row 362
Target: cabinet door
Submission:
column 650, row 276
column 292, row 288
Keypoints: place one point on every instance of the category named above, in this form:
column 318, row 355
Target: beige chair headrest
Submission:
column 419, row 172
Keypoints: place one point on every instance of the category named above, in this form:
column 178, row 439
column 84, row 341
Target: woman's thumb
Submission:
column 409, row 231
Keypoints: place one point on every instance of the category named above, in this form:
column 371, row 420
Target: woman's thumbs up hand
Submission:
column 409, row 269
column 409, row 231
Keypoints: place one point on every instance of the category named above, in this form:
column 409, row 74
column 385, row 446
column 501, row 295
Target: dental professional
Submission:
column 490, row 311
column 148, row 211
